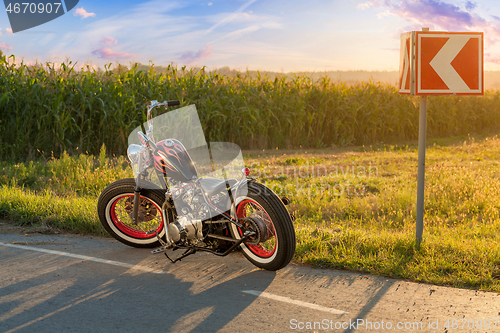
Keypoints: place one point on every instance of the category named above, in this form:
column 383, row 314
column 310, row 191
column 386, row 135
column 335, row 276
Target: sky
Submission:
column 266, row 35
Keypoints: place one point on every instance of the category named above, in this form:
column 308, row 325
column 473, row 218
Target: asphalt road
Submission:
column 51, row 283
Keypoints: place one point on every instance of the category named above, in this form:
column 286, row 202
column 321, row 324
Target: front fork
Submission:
column 137, row 190
column 166, row 205
column 137, row 196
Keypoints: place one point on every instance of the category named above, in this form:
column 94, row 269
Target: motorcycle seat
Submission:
column 213, row 185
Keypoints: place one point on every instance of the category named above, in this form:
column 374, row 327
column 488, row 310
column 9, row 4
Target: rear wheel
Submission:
column 115, row 206
column 261, row 210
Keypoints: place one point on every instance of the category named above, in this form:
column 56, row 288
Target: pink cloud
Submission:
column 190, row 57
column 108, row 41
column 438, row 15
column 492, row 58
column 9, row 30
column 83, row 13
column 5, row 47
column 109, row 54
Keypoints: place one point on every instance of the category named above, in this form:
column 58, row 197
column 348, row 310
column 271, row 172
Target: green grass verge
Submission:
column 354, row 208
column 71, row 214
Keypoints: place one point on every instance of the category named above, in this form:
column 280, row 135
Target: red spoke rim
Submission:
column 257, row 249
column 123, row 227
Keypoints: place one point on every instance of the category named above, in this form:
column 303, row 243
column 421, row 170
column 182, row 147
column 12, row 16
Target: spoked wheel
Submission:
column 263, row 212
column 264, row 243
column 115, row 206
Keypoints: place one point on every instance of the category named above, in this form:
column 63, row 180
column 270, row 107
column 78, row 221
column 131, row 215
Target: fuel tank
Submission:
column 173, row 160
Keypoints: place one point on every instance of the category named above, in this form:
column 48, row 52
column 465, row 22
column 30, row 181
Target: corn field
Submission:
column 46, row 110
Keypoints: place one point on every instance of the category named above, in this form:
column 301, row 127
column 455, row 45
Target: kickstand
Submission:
column 184, row 255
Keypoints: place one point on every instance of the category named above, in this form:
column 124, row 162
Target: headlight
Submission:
column 133, row 152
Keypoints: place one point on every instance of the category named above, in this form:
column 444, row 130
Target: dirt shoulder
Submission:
column 9, row 227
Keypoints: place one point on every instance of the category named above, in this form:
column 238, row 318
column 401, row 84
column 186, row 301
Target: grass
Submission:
column 60, row 192
column 354, row 207
column 73, row 214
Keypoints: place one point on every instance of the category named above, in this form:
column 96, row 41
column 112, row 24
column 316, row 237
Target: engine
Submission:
column 191, row 210
column 186, row 228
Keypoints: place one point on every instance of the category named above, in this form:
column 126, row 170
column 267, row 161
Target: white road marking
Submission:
column 292, row 301
column 152, row 270
column 79, row 256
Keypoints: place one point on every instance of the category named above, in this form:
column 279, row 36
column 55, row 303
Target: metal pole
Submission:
column 421, row 167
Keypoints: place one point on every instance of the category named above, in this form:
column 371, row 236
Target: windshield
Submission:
column 184, row 155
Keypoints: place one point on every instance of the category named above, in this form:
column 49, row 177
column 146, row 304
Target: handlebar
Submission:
column 155, row 104
column 147, row 139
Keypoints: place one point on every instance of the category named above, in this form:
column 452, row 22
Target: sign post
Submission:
column 422, row 126
column 438, row 63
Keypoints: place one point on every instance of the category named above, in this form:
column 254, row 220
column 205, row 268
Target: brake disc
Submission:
column 147, row 211
column 256, row 223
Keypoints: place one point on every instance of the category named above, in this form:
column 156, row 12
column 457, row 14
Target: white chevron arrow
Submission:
column 442, row 63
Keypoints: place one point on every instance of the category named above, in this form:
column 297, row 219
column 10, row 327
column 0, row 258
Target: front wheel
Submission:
column 277, row 246
column 115, row 206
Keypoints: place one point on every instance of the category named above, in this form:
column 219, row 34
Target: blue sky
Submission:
column 255, row 34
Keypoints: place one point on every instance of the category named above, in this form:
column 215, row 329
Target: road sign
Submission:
column 406, row 63
column 438, row 63
column 441, row 63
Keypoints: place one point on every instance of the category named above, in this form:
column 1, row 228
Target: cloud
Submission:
column 138, row 30
column 5, row 47
column 9, row 31
column 108, row 54
column 190, row 57
column 470, row 6
column 493, row 58
column 108, row 41
column 438, row 15
column 83, row 13
column 210, row 4
column 236, row 34
column 368, row 4
column 230, row 17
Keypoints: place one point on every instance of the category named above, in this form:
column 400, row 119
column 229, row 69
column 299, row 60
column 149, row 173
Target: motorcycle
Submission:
column 189, row 195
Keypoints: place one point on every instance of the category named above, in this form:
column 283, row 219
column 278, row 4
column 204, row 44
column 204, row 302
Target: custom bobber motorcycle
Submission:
column 191, row 196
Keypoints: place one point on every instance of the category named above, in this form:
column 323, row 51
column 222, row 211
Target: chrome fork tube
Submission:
column 137, row 191
column 165, row 225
